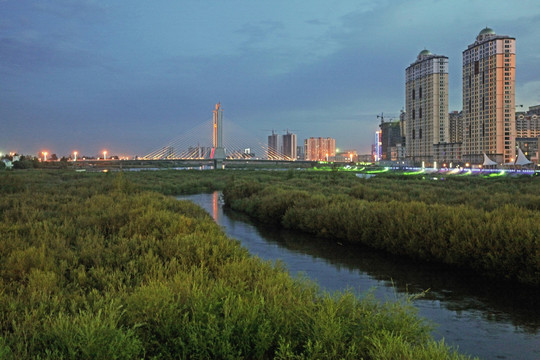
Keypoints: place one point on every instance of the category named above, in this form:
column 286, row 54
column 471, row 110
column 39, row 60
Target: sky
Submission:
column 130, row 75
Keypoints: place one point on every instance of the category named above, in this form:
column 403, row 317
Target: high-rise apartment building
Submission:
column 528, row 123
column 319, row 149
column 289, row 146
column 489, row 126
column 426, row 101
column 390, row 137
column 273, row 146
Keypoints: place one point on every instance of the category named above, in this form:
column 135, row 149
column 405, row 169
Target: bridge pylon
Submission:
column 218, row 151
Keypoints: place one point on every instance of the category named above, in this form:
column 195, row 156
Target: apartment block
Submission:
column 489, row 125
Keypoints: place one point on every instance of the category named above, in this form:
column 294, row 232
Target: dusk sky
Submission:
column 130, row 75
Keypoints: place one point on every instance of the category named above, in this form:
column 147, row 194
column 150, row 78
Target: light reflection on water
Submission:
column 482, row 319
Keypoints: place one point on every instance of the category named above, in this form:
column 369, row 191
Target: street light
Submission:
column 75, row 156
column 105, row 155
column 45, row 155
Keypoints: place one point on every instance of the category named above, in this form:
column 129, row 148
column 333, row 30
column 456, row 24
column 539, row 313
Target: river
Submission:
column 482, row 319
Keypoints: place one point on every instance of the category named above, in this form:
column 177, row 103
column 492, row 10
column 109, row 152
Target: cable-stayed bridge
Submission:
column 219, row 140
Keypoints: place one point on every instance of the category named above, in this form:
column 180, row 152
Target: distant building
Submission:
column 426, row 99
column 273, row 146
column 289, row 146
column 376, row 148
column 534, row 110
column 528, row 123
column 366, row 158
column 400, row 147
column 346, row 156
column 447, row 153
column 489, row 126
column 196, row 152
column 455, row 121
column 319, row 149
column 529, row 146
column 390, row 137
column 300, row 152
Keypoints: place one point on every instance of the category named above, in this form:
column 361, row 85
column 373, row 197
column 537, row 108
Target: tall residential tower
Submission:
column 489, row 125
column 426, row 101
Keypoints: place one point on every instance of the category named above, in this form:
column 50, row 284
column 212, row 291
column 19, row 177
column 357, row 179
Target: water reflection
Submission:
column 458, row 290
column 482, row 318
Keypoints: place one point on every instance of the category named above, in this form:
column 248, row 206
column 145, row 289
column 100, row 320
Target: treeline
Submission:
column 94, row 267
column 490, row 226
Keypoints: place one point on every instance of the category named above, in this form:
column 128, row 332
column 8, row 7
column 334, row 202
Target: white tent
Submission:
column 522, row 159
column 488, row 161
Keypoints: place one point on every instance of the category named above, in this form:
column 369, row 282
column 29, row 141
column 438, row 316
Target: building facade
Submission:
column 528, row 123
column 529, row 147
column 273, row 146
column 455, row 126
column 426, row 102
column 319, row 149
column 289, row 146
column 390, row 137
column 448, row 154
column 489, row 98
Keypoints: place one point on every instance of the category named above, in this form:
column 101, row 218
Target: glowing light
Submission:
column 421, row 171
column 45, row 155
column 105, row 155
column 75, row 156
column 467, row 164
column 378, row 171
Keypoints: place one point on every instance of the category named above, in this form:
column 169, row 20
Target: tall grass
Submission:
column 94, row 266
column 491, row 227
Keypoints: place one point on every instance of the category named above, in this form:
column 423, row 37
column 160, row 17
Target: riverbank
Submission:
column 94, row 266
column 491, row 227
column 485, row 319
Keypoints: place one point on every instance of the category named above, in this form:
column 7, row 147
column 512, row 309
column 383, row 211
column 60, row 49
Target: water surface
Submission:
column 483, row 319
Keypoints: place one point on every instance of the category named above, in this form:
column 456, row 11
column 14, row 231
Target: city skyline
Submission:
column 128, row 76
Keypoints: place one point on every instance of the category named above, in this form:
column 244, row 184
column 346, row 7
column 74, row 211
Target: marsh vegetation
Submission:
column 94, row 265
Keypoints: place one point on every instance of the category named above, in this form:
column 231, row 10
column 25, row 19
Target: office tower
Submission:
column 455, row 123
column 319, row 149
column 426, row 101
column 273, row 146
column 489, row 124
column 289, row 146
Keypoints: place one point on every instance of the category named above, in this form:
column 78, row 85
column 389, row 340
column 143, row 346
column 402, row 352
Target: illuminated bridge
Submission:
column 212, row 140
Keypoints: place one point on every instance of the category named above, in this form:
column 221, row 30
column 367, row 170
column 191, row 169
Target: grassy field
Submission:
column 97, row 266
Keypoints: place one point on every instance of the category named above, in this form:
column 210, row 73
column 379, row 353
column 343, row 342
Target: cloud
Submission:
column 528, row 94
column 90, row 11
column 35, row 55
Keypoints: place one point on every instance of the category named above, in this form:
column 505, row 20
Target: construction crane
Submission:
column 382, row 118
